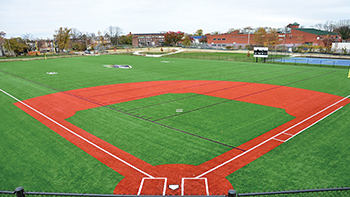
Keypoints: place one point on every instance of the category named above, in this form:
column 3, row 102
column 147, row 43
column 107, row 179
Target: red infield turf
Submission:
column 307, row 106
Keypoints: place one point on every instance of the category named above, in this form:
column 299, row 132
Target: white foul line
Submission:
column 247, row 151
column 79, row 136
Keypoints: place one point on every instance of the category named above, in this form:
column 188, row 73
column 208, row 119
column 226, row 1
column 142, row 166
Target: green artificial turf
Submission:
column 44, row 161
column 38, row 159
column 232, row 123
column 316, row 158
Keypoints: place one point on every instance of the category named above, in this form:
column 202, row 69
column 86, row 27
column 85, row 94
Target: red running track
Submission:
column 308, row 107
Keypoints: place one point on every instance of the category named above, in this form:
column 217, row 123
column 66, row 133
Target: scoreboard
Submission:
column 261, row 52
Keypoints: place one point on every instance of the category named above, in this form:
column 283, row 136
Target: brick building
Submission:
column 148, row 40
column 294, row 36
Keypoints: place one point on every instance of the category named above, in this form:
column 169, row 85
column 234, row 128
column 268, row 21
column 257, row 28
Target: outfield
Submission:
column 150, row 128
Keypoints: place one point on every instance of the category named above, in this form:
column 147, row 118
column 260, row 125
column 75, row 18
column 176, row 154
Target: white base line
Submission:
column 143, row 179
column 247, row 151
column 79, row 136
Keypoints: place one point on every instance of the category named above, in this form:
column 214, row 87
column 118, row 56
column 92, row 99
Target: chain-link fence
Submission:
column 322, row 60
column 327, row 192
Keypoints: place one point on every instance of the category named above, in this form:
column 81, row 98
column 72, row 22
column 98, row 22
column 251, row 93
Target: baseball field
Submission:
column 172, row 126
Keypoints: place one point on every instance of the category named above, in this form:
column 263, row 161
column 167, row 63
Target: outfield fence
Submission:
column 326, row 192
column 321, row 60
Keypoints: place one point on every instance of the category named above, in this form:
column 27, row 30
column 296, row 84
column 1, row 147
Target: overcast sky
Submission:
column 41, row 17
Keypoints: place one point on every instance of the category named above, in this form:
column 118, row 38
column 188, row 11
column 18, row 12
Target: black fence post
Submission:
column 232, row 193
column 19, row 191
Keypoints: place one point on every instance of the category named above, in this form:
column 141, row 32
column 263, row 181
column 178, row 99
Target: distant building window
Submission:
column 213, row 45
column 224, row 39
column 308, row 43
column 214, row 39
column 219, row 38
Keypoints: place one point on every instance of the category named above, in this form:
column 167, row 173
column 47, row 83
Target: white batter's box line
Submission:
column 194, row 178
column 144, row 178
column 288, row 134
column 278, row 140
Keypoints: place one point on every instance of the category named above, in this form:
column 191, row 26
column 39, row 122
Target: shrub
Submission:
column 344, row 50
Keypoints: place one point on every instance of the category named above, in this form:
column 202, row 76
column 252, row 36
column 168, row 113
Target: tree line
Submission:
column 66, row 38
column 71, row 38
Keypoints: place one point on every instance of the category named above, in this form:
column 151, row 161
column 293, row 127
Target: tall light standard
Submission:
column 248, row 28
column 248, row 37
column 285, row 37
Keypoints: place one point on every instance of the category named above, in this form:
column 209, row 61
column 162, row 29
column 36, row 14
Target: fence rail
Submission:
column 325, row 192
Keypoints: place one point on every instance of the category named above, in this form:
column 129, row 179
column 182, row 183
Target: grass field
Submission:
column 38, row 159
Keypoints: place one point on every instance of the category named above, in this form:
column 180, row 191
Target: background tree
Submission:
column 260, row 36
column 76, row 42
column 29, row 41
column 27, row 37
column 113, row 32
column 271, row 39
column 87, row 41
column 215, row 33
column 17, row 45
column 101, row 44
column 172, row 38
column 327, row 41
column 343, row 28
column 231, row 30
column 199, row 32
column 125, row 39
column 91, row 40
column 101, row 38
column 327, row 26
column 187, row 40
column 203, row 39
column 62, row 38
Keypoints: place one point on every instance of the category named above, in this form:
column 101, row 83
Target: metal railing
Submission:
column 325, row 192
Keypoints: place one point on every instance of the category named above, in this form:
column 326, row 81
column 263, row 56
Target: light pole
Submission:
column 248, row 36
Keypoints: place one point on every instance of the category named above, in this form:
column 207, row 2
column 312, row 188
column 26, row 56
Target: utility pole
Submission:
column 8, row 42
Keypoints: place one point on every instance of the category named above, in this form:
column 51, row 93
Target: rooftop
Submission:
column 315, row 31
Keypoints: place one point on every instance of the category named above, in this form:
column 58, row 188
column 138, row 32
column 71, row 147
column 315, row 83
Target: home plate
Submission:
column 174, row 187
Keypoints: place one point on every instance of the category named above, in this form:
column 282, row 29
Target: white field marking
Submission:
column 278, row 140
column 288, row 134
column 247, row 151
column 143, row 180
column 183, row 184
column 174, row 187
column 314, row 123
column 79, row 136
